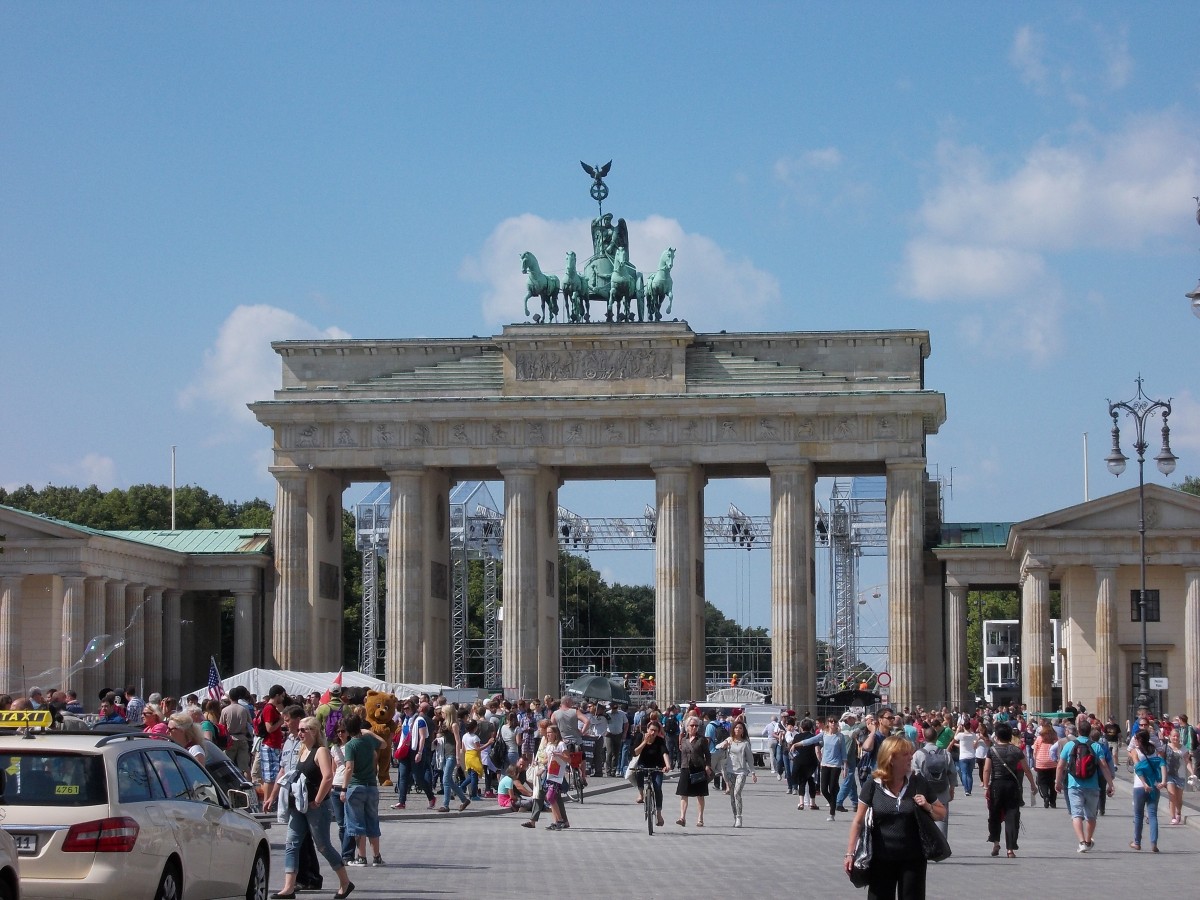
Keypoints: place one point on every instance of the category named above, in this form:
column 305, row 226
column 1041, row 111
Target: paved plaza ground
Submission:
column 779, row 852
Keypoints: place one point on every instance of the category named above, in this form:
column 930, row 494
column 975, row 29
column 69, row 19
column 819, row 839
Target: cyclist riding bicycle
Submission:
column 570, row 721
column 652, row 753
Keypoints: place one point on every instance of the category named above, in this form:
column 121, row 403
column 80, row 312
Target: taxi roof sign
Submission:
column 26, row 718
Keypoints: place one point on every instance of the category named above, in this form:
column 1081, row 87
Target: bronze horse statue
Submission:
column 659, row 287
column 545, row 287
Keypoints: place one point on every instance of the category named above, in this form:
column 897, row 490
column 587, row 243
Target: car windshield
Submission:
column 38, row 778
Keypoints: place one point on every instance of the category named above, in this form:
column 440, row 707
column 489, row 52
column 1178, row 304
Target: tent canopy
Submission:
column 300, row 684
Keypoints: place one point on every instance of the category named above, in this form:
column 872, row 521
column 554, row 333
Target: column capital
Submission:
column 671, row 467
column 291, row 478
column 905, row 463
column 790, row 466
column 518, row 469
column 405, row 471
column 958, row 591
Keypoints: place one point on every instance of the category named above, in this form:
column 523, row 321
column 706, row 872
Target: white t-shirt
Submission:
column 470, row 741
column 966, row 744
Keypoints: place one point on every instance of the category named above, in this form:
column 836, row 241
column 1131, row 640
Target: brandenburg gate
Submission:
column 630, row 397
column 538, row 405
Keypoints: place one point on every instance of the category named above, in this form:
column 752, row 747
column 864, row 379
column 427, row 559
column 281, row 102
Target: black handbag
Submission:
column 697, row 777
column 860, row 861
column 933, row 843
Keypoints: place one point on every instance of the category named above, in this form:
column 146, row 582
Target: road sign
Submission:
column 1158, row 684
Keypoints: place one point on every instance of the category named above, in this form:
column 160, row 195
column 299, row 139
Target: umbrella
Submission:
column 597, row 687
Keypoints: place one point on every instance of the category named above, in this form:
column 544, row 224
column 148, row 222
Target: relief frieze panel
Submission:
column 650, row 431
column 592, row 365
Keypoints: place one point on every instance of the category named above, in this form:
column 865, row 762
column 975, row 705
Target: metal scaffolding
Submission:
column 855, row 526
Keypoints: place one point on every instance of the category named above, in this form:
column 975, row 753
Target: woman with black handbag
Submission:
column 695, row 771
column 1002, row 773
column 897, row 798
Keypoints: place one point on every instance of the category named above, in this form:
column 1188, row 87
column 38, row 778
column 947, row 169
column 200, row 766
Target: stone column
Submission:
column 546, row 524
column 1108, row 654
column 243, row 630
column 135, row 637
column 290, row 637
column 674, row 625
column 89, row 657
column 406, row 579
column 172, row 641
column 72, row 628
column 112, row 672
column 154, row 640
column 10, row 634
column 906, row 620
column 1035, row 636
column 956, row 645
column 520, row 629
column 1191, row 641
column 793, row 612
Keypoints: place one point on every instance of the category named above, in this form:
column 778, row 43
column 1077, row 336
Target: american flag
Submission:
column 215, row 691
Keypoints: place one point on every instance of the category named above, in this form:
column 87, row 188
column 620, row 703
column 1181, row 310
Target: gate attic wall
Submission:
column 542, row 404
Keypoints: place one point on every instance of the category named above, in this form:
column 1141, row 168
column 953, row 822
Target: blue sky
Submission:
column 183, row 183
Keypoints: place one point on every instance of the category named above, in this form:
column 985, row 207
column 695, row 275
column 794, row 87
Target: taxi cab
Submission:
column 122, row 816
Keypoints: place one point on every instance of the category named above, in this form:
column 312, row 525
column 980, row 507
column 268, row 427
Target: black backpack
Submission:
column 720, row 732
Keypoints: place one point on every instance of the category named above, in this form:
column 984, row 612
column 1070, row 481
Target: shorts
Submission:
column 1177, row 781
column 1084, row 802
column 362, row 811
column 268, row 758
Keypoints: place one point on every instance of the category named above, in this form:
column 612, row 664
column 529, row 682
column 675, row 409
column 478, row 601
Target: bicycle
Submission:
column 648, row 797
column 575, row 776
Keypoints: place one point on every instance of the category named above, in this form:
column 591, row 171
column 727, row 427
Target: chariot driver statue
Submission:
column 606, row 238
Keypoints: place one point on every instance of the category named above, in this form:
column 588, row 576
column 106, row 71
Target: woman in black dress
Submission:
column 694, row 772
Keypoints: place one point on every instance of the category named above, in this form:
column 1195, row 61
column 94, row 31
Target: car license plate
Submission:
column 26, row 843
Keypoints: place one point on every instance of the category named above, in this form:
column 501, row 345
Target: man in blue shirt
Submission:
column 1083, row 793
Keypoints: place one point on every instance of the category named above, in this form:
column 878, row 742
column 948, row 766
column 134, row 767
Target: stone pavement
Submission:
column 607, row 853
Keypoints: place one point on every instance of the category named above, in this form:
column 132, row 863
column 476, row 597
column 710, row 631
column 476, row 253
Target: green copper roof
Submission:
column 210, row 540
column 975, row 534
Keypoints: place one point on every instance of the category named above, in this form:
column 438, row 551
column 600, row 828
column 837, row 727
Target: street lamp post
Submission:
column 1140, row 409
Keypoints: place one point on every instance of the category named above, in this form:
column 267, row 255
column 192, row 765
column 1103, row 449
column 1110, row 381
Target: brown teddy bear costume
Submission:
column 380, row 714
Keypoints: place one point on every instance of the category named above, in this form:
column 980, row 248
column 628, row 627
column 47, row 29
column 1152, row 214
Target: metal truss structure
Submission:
column 854, row 526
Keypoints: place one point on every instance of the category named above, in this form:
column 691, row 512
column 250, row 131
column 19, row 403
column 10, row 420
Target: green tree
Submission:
column 1190, row 485
column 142, row 507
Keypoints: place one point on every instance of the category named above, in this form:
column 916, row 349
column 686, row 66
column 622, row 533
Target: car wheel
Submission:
column 7, row 891
column 170, row 886
column 260, row 876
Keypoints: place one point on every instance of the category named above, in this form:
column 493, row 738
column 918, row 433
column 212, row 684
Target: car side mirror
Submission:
column 239, row 800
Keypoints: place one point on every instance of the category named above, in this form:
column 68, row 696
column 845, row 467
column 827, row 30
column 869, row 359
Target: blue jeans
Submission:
column 362, row 811
column 315, row 821
column 409, row 773
column 470, row 784
column 339, row 816
column 1145, row 801
column 448, row 782
column 848, row 791
column 966, row 773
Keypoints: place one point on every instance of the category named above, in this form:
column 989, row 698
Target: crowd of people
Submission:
column 316, row 760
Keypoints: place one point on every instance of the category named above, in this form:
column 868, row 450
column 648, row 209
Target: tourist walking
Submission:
column 1080, row 765
column 1149, row 774
column 833, row 761
column 896, row 796
column 309, row 810
column 936, row 766
column 805, row 762
column 695, row 770
column 965, row 739
column 740, row 765
column 1045, row 766
column 452, row 755
column 1175, row 774
column 1002, row 772
column 362, row 789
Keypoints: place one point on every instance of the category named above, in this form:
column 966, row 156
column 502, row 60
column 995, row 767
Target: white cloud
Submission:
column 1026, row 55
column 92, row 468
column 240, row 367
column 941, row 270
column 988, row 236
column 709, row 282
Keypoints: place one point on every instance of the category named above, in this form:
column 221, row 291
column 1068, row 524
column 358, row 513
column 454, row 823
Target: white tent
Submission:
column 299, row 684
